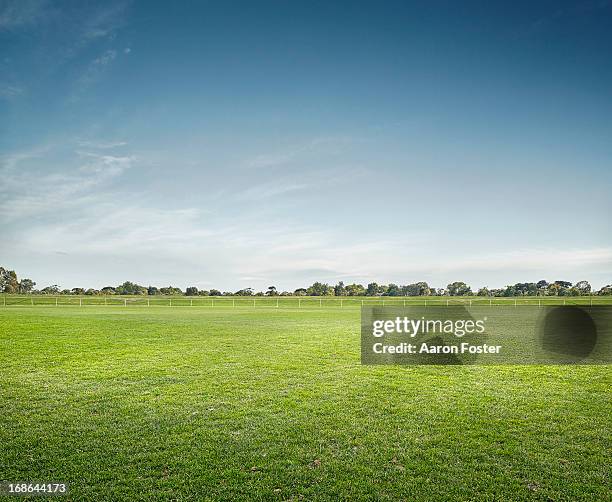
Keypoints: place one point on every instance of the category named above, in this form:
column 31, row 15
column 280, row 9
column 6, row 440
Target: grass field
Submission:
column 272, row 404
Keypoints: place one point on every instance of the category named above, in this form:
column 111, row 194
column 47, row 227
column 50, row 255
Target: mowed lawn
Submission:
column 272, row 404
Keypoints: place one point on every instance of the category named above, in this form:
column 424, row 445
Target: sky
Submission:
column 247, row 144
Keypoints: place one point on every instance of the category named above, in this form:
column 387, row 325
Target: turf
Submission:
column 272, row 404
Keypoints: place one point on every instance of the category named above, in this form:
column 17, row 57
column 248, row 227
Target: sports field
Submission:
column 271, row 403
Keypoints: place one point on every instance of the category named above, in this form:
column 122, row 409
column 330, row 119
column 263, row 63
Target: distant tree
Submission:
column 92, row 292
column 339, row 289
column 606, row 290
column 300, row 292
column 320, row 289
column 355, row 290
column 214, row 292
column 393, row 290
column 542, row 284
column 191, row 291
column 563, row 284
column 152, row 291
column 416, row 289
column 583, row 287
column 8, row 281
column 65, row 292
column 203, row 292
column 372, row 289
column 108, row 290
column 77, row 291
column 271, row 291
column 245, row 292
column 51, row 290
column 171, row 291
column 130, row 288
column 26, row 286
column 458, row 289
column 484, row 292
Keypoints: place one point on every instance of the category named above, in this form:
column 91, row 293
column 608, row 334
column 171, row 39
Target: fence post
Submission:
column 277, row 303
column 320, row 300
column 299, row 303
column 340, row 302
column 148, row 302
column 191, row 303
column 213, row 302
column 426, row 302
column 362, row 303
column 233, row 302
column 56, row 301
column 125, row 302
column 447, row 302
column 253, row 302
column 80, row 302
column 470, row 302
column 170, row 302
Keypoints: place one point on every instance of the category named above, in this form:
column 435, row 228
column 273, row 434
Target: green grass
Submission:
column 272, row 404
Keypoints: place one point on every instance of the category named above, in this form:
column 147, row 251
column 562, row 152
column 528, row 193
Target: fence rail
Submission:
column 287, row 302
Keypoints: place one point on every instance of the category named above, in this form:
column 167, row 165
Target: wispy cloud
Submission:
column 19, row 13
column 10, row 92
column 322, row 145
column 28, row 192
column 102, row 145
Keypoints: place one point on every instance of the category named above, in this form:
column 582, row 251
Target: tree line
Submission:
column 9, row 283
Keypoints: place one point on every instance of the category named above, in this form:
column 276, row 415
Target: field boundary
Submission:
column 289, row 302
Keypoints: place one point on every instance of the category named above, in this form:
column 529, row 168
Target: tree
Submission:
column 372, row 289
column 484, row 292
column 191, row 291
column 458, row 289
column 606, row 290
column 271, row 291
column 77, row 291
column 300, row 292
column 319, row 289
column 245, row 292
column 214, row 292
column 583, row 287
column 355, row 290
column 8, row 281
column 393, row 290
column 51, row 290
column 152, row 291
column 171, row 290
column 130, row 288
column 339, row 289
column 109, row 290
column 26, row 286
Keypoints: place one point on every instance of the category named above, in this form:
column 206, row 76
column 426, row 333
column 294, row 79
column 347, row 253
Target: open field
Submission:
column 272, row 403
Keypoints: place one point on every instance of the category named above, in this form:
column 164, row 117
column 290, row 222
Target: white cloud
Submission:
column 19, row 13
column 102, row 145
column 10, row 91
column 28, row 192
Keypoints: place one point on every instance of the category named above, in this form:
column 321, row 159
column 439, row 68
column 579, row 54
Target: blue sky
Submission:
column 248, row 144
